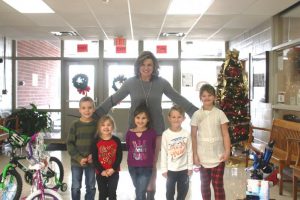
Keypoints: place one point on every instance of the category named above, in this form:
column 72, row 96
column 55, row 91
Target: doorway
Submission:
column 71, row 95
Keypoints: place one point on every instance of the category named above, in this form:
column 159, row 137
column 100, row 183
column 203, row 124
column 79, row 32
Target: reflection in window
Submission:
column 74, row 95
column 115, row 71
column 38, row 82
column 56, row 126
column 166, row 71
column 202, row 49
column 196, row 74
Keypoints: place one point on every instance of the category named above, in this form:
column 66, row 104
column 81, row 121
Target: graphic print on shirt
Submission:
column 106, row 154
column 139, row 150
column 177, row 147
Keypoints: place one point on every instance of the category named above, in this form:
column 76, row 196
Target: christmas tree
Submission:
column 232, row 96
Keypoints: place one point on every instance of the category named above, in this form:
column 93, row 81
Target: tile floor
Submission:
column 235, row 183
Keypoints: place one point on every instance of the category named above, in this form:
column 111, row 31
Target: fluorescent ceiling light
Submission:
column 189, row 7
column 29, row 6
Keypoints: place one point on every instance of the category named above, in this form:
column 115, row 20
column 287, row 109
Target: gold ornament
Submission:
column 235, row 54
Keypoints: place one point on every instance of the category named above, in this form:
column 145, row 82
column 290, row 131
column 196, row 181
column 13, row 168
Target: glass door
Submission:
column 79, row 81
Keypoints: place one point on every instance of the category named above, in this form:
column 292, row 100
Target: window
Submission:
column 38, row 82
column 38, row 48
column 194, row 74
column 162, row 49
column 81, row 49
column 130, row 50
column 76, row 69
column 117, row 71
column 202, row 49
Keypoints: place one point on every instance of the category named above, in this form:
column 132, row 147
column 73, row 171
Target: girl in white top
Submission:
column 211, row 143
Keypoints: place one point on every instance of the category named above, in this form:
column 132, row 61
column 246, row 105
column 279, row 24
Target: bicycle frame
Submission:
column 37, row 178
column 4, row 173
column 14, row 158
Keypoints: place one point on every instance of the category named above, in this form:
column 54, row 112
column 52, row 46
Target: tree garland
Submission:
column 119, row 79
column 80, row 82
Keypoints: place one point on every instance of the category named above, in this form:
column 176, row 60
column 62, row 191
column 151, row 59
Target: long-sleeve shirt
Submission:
column 176, row 151
column 137, row 88
column 141, row 149
column 80, row 139
column 107, row 154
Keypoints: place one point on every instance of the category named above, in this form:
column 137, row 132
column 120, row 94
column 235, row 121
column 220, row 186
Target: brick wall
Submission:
column 37, row 48
column 42, row 91
column 255, row 41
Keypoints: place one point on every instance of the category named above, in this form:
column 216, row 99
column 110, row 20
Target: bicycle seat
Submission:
column 37, row 166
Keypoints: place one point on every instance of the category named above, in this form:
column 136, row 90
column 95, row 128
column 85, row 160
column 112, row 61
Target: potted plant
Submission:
column 33, row 120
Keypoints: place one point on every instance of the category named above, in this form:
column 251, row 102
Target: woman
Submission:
column 146, row 86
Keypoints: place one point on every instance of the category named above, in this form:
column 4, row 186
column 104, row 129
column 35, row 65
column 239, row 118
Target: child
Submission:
column 176, row 155
column 211, row 145
column 79, row 143
column 107, row 157
column 140, row 142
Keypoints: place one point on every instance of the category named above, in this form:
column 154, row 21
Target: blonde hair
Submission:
column 85, row 99
column 178, row 109
column 103, row 119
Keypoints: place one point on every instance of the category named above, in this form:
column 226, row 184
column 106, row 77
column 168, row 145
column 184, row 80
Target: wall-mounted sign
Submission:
column 161, row 49
column 82, row 47
column 120, row 41
column 120, row 49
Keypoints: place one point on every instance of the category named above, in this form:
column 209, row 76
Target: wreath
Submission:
column 80, row 82
column 119, row 79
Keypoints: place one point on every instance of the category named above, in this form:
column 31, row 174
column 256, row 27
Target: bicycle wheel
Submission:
column 48, row 194
column 54, row 175
column 12, row 186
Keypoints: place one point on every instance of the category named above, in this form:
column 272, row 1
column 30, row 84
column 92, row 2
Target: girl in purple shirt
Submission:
column 140, row 142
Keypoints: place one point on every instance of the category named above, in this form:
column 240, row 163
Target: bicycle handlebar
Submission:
column 15, row 139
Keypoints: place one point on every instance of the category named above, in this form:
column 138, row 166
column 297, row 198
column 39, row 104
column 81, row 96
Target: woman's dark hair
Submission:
column 140, row 60
column 142, row 108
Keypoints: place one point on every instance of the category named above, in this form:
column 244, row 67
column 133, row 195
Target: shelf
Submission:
column 286, row 107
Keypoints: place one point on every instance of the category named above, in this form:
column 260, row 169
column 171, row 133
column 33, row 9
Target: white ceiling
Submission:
column 94, row 19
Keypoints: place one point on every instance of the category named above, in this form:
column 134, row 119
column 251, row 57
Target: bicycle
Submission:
column 38, row 164
column 52, row 177
column 10, row 183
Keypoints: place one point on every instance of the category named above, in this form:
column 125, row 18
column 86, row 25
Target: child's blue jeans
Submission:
column 90, row 180
column 140, row 177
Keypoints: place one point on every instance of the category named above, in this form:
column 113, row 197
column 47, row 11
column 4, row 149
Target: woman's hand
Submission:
column 196, row 160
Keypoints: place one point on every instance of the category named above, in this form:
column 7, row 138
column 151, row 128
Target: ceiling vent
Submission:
column 172, row 34
column 61, row 34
